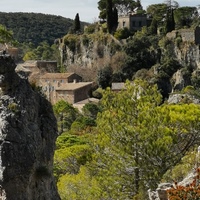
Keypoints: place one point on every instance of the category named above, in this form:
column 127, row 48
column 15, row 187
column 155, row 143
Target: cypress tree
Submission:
column 115, row 18
column 109, row 15
column 77, row 24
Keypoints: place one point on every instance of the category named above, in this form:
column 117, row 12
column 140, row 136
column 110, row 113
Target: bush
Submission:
column 90, row 29
column 85, row 40
column 122, row 33
column 72, row 41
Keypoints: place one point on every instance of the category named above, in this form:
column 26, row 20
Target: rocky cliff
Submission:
column 28, row 132
column 92, row 52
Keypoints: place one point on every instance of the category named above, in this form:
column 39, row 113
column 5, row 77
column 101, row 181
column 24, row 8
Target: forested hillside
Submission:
column 135, row 138
column 146, row 133
column 35, row 27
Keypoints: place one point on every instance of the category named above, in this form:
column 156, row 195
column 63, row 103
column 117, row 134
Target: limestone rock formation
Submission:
column 28, row 132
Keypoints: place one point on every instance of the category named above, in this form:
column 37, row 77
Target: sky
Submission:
column 87, row 9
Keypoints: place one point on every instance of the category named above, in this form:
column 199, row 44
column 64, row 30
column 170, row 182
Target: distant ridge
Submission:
column 36, row 27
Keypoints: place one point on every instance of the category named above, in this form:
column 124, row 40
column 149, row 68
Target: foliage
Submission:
column 154, row 27
column 169, row 66
column 189, row 192
column 79, row 186
column 122, row 33
column 82, row 124
column 182, row 169
column 69, row 159
column 72, row 151
column 169, row 20
column 91, row 110
column 66, row 114
column 13, row 107
column 139, row 55
column 72, row 41
column 90, row 29
column 158, row 11
column 97, row 93
column 195, row 80
column 104, row 77
column 77, row 24
column 67, row 140
column 6, row 36
column 123, row 7
column 184, row 16
column 42, row 52
column 40, row 27
column 138, row 140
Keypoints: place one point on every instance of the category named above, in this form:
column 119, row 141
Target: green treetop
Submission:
column 139, row 139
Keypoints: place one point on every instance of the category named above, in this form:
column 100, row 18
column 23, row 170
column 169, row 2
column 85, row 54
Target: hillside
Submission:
column 35, row 27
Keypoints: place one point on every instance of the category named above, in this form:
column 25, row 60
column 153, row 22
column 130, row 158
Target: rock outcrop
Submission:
column 28, row 132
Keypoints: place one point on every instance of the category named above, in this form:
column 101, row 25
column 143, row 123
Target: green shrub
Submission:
column 13, row 107
column 72, row 41
column 178, row 41
column 85, row 40
column 122, row 33
column 90, row 29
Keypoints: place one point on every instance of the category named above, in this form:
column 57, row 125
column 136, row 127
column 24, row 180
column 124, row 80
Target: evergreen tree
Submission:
column 77, row 24
column 154, row 26
column 109, row 15
column 169, row 23
column 139, row 140
column 115, row 18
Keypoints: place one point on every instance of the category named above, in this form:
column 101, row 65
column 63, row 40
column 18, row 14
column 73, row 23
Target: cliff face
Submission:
column 28, row 132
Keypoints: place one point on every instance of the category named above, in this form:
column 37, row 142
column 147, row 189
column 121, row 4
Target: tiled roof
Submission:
column 56, row 75
column 73, row 86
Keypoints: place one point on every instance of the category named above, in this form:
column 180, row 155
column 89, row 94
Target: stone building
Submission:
column 187, row 35
column 35, row 68
column 64, row 86
column 133, row 22
column 57, row 79
column 72, row 92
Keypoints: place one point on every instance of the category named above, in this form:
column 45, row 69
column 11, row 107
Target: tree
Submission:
column 139, row 55
column 109, row 15
column 122, row 6
column 157, row 11
column 184, row 16
column 77, row 24
column 78, row 186
column 169, row 20
column 163, row 13
column 104, row 77
column 6, row 36
column 66, row 114
column 91, row 110
column 154, row 27
column 139, row 139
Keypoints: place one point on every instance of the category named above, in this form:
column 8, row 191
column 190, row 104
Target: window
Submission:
column 133, row 23
column 140, row 23
column 124, row 23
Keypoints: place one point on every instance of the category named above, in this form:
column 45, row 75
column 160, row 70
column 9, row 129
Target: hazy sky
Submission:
column 87, row 9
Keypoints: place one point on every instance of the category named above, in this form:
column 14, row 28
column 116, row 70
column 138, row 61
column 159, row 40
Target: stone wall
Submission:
column 187, row 35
